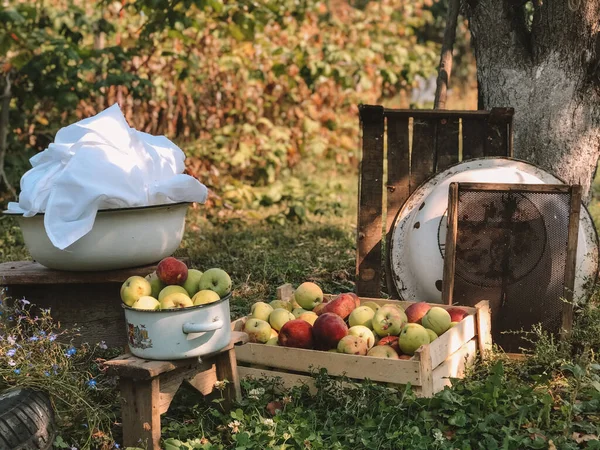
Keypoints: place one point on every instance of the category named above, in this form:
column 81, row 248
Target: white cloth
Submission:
column 102, row 163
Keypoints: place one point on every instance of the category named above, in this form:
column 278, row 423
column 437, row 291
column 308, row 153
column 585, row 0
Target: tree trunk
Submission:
column 547, row 66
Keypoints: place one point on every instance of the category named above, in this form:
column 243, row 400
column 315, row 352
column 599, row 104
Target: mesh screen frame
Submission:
column 532, row 231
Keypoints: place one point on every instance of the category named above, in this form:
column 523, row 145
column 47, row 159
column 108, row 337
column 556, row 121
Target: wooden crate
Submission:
column 428, row 371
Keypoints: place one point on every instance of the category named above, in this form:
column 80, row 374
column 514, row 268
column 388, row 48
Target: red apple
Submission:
column 328, row 330
column 416, row 311
column 355, row 297
column 172, row 271
column 319, row 309
column 405, row 356
column 296, row 333
column 342, row 305
column 457, row 314
column 392, row 341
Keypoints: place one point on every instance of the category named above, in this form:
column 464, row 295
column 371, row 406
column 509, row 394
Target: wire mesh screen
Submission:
column 511, row 248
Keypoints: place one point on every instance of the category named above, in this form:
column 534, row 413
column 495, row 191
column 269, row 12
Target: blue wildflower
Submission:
column 117, row 445
column 70, row 352
column 92, row 384
column 47, row 373
column 11, row 352
column 34, row 338
column 51, row 337
column 17, row 371
column 10, row 317
column 42, row 333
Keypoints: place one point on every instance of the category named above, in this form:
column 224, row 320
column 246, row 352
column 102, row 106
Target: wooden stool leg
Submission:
column 140, row 414
column 226, row 366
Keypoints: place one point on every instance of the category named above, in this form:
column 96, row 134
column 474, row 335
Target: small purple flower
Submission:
column 117, row 445
column 51, row 337
column 25, row 302
column 92, row 384
column 11, row 352
column 12, row 363
column 11, row 340
column 103, row 345
column 42, row 333
column 34, row 338
column 17, row 371
column 47, row 373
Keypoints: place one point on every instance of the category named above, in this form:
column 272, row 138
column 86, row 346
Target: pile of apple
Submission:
column 173, row 285
column 343, row 325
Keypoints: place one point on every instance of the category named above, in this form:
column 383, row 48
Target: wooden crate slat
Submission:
column 422, row 157
column 474, row 136
column 337, row 364
column 448, row 343
column 454, row 366
column 500, row 114
column 369, row 232
column 496, row 139
column 447, row 143
column 288, row 380
column 398, row 182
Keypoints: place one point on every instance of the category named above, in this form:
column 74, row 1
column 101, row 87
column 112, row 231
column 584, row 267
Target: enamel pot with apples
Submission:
column 179, row 333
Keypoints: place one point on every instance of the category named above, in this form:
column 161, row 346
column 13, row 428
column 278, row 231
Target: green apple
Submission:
column 388, row 320
column 309, row 317
column 383, row 351
column 282, row 304
column 437, row 319
column 216, row 280
column 432, row 335
column 261, row 310
column 134, row 288
column 257, row 330
column 146, row 302
column 297, row 312
column 205, row 296
column 279, row 317
column 307, row 295
column 172, row 290
column 363, row 315
column 192, row 281
column 374, row 306
column 453, row 324
column 352, row 345
column 155, row 283
column 363, row 332
column 412, row 337
column 273, row 341
column 176, row 300
column 399, row 308
column 274, row 334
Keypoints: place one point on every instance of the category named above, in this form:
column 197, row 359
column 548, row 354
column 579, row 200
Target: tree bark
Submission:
column 548, row 68
column 4, row 124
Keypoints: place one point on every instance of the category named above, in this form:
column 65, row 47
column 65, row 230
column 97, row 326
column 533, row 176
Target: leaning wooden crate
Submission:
column 428, row 371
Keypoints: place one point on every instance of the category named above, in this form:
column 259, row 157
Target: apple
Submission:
column 342, row 305
column 416, row 311
column 135, row 288
column 279, row 317
column 216, row 280
column 333, row 350
column 383, row 351
column 437, row 319
column 205, row 296
column 328, row 329
column 457, row 314
column 176, row 300
column 274, row 333
column 352, row 345
column 388, row 320
column 146, row 302
column 392, row 341
column 308, row 295
column 309, row 317
column 192, row 281
column 399, row 308
column 453, row 324
column 297, row 312
column 155, row 284
column 282, row 304
column 374, row 306
column 261, row 310
column 296, row 333
column 319, row 309
column 404, row 356
column 273, row 341
column 171, row 290
column 172, row 271
column 412, row 337
column 363, row 332
column 257, row 330
column 363, row 315
column 432, row 335
column 355, row 297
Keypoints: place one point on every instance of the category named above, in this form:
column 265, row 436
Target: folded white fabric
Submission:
column 102, row 163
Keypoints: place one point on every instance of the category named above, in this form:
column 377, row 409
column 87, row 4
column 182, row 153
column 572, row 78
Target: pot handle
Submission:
column 191, row 327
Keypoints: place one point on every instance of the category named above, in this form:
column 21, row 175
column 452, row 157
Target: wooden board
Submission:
column 454, row 366
column 474, row 136
column 422, row 157
column 447, row 143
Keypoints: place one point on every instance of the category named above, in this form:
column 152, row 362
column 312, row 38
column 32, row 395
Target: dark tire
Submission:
column 26, row 420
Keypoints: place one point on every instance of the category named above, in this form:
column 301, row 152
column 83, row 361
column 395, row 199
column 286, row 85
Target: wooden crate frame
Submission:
column 415, row 144
column 428, row 371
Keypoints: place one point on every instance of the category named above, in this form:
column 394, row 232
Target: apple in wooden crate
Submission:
column 363, row 315
column 257, row 330
column 457, row 313
column 308, row 295
column 363, row 332
column 352, row 345
column 392, row 341
column 388, row 320
column 412, row 337
column 328, row 330
column 342, row 305
column 416, row 311
column 437, row 319
column 279, row 317
column 261, row 310
column 296, row 333
column 383, row 351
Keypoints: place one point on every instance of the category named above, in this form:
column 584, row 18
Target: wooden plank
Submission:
column 226, row 366
column 570, row 263
column 447, row 143
column 422, row 157
column 474, row 136
column 398, row 183
column 455, row 366
column 168, row 386
column 497, row 140
column 285, row 292
column 203, row 382
column 450, row 247
column 484, row 327
column 139, row 413
column 31, row 272
column 369, row 229
column 288, row 380
column 337, row 364
column 541, row 188
column 425, row 367
column 452, row 340
column 505, row 114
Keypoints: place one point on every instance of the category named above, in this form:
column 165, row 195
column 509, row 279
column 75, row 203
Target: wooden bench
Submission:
column 416, row 144
column 148, row 387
